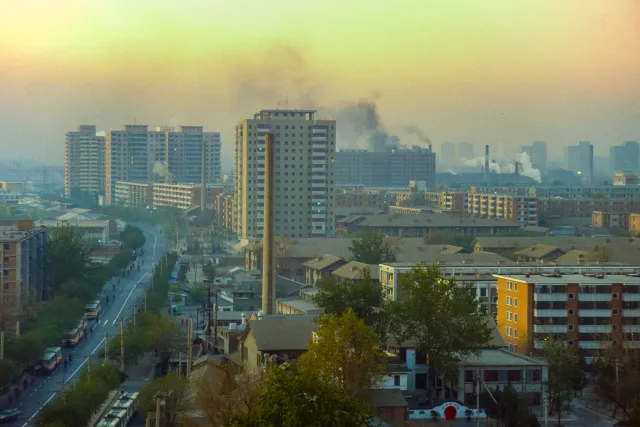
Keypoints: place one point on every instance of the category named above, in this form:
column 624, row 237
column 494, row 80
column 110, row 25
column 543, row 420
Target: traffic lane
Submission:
column 43, row 391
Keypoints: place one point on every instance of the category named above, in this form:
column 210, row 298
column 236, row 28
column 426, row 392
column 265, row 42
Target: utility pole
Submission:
column 189, row 347
column 1, row 345
column 209, row 310
column 135, row 308
column 89, row 369
column 17, row 328
column 106, row 347
column 145, row 302
column 180, row 364
column 157, row 412
column 215, row 324
column 122, row 345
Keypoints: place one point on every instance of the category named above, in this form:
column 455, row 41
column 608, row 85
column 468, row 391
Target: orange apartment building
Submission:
column 588, row 311
column 600, row 219
column 522, row 209
column 23, row 275
column 634, row 224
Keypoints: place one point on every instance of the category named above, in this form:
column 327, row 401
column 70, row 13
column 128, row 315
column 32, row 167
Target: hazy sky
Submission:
column 484, row 71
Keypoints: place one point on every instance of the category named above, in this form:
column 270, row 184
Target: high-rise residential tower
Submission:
column 466, row 150
column 183, row 154
column 625, row 157
column 304, row 181
column 126, row 157
column 447, row 154
column 84, row 162
column 579, row 160
column 537, row 154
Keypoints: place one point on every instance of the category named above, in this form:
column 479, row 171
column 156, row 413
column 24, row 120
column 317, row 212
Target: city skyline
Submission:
column 495, row 72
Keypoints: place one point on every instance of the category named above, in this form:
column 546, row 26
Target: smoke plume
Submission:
column 415, row 130
column 506, row 165
column 162, row 170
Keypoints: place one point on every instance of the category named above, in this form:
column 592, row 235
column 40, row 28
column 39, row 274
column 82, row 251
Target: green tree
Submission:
column 291, row 399
column 617, row 379
column 209, row 271
column 346, row 352
column 363, row 296
column 175, row 394
column 444, row 319
column 371, row 247
column 132, row 238
column 198, row 294
column 510, row 410
column 562, row 361
column 67, row 255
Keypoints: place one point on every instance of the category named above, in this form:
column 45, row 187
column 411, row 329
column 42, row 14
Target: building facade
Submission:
column 84, row 161
column 183, row 155
column 625, row 157
column 224, row 212
column 587, row 311
column 127, row 157
column 537, row 154
column 521, row 209
column 579, row 160
column 304, row 173
column 24, row 277
column 394, row 168
column 447, row 154
column 133, row 194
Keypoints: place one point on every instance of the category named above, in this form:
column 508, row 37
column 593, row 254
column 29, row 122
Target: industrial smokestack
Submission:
column 269, row 230
column 517, row 169
column 486, row 162
column 203, row 190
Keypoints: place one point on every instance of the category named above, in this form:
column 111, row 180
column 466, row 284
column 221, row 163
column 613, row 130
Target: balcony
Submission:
column 594, row 329
column 550, row 297
column 550, row 313
column 550, row 329
column 631, row 329
column 594, row 313
column 594, row 297
column 630, row 297
column 631, row 313
column 594, row 344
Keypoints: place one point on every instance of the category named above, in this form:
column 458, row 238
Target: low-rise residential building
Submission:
column 601, row 219
column 539, row 253
column 321, row 267
column 557, row 207
column 622, row 177
column 588, row 311
column 522, row 209
column 357, row 198
column 149, row 194
column 354, row 270
column 96, row 232
column 421, row 225
column 133, row 194
column 24, row 278
column 302, row 304
column 224, row 212
column 277, row 338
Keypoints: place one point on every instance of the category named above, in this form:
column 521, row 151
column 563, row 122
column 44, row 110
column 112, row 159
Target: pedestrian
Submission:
column 182, row 321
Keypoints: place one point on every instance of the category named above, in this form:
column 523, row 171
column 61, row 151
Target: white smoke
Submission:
column 162, row 170
column 452, row 172
column 506, row 165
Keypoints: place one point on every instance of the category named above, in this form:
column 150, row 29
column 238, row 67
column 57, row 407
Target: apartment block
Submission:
column 588, row 311
column 184, row 150
column 393, row 168
column 574, row 208
column 600, row 219
column 362, row 199
column 127, row 157
column 537, row 154
column 182, row 196
column 224, row 211
column 454, row 201
column 304, row 173
column 520, row 209
column 84, row 161
column 579, row 160
column 24, row 277
column 634, row 223
column 133, row 194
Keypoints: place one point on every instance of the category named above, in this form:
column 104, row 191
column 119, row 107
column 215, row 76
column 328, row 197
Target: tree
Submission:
column 562, row 361
column 174, row 392
column 132, row 237
column 290, row 399
column 198, row 294
column 68, row 257
column 223, row 393
column 363, row 297
column 346, row 352
column 444, row 319
column 182, row 273
column 617, row 379
column 510, row 409
column 209, row 271
column 370, row 247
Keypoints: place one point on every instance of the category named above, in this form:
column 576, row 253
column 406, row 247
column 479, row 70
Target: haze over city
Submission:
column 499, row 72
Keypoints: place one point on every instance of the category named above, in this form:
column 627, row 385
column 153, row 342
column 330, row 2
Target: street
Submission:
column 128, row 293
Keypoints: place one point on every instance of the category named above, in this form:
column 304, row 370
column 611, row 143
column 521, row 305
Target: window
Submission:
column 509, row 286
column 572, row 296
column 515, row 317
column 508, row 300
column 571, row 312
column 572, row 327
column 614, row 295
column 515, row 333
column 615, row 311
column 396, row 380
column 515, row 286
column 515, row 302
column 508, row 331
column 508, row 315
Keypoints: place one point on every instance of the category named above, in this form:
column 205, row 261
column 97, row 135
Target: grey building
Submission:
column 625, row 157
column 579, row 160
column 84, row 161
column 537, row 154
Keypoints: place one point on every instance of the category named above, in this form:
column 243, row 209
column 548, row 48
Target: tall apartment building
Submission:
column 625, row 157
column 127, row 157
column 466, row 150
column 304, row 163
column 386, row 169
column 224, row 211
column 84, row 161
column 579, row 160
column 537, row 154
column 522, row 209
column 157, row 154
column 590, row 311
column 184, row 155
column 22, row 263
column 447, row 154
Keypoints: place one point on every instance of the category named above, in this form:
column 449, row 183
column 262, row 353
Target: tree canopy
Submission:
column 510, row 409
column 288, row 398
column 363, row 296
column 560, row 386
column 619, row 390
column 444, row 318
column 68, row 256
column 174, row 392
column 346, row 352
column 370, row 247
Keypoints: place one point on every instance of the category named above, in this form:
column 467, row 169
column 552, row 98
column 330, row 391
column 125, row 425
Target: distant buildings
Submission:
column 465, row 150
column 579, row 160
column 93, row 163
column 24, row 274
column 625, row 157
column 84, row 161
column 521, row 209
column 385, row 169
column 304, row 173
column 537, row 154
column 148, row 194
column 447, row 154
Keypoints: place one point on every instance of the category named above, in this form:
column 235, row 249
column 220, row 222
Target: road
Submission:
column 128, row 293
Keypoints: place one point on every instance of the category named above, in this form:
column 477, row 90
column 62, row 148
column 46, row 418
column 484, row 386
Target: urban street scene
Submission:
column 361, row 213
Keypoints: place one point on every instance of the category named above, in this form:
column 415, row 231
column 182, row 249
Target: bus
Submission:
column 127, row 402
column 75, row 335
column 114, row 418
column 51, row 359
column 92, row 310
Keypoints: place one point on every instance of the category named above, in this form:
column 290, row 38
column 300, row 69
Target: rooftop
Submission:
column 88, row 223
column 580, row 279
column 353, row 270
column 537, row 251
column 430, row 220
column 322, row 262
column 290, row 332
column 500, row 357
column 459, row 258
column 301, row 304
